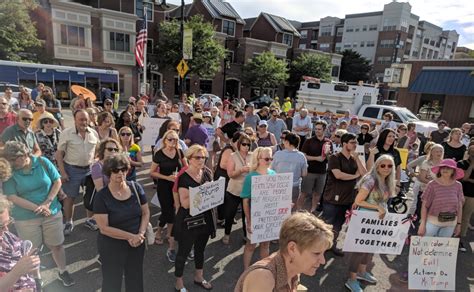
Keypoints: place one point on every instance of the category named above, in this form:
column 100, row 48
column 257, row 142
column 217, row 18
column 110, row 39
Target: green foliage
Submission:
column 17, row 33
column 208, row 53
column 314, row 65
column 265, row 71
column 354, row 67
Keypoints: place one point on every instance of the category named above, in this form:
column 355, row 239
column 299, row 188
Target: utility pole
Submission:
column 182, row 88
column 225, row 70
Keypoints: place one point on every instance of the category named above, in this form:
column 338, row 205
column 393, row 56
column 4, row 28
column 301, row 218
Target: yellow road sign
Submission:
column 182, row 68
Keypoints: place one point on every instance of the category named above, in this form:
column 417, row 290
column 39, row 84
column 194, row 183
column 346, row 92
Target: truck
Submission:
column 359, row 98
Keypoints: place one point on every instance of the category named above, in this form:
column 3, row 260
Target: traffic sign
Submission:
column 182, row 68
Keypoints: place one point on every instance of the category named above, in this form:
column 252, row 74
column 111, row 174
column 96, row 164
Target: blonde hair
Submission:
column 435, row 146
column 5, row 169
column 132, row 138
column 165, row 135
column 257, row 155
column 389, row 181
column 5, row 204
column 305, row 230
column 450, row 137
column 428, row 147
column 195, row 149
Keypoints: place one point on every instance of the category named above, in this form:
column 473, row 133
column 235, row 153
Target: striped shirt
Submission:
column 440, row 198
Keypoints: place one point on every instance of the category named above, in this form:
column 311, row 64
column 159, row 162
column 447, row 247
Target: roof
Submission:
column 367, row 14
column 248, row 23
column 280, row 24
column 310, row 24
column 221, row 9
column 444, row 81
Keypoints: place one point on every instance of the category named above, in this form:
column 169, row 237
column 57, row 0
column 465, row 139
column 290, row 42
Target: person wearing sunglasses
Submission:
column 375, row 189
column 169, row 125
column 166, row 164
column 276, row 126
column 192, row 235
column 264, row 137
column 238, row 167
column 53, row 105
column 47, row 135
column 21, row 132
column 106, row 126
column 259, row 165
column 15, row 267
column 108, row 107
column 302, row 125
column 7, row 117
column 122, row 214
column 126, row 140
column 33, row 189
column 127, row 120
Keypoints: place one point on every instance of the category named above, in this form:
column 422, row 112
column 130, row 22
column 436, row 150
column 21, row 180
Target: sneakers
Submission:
column 66, row 279
column 367, row 277
column 91, row 224
column 191, row 255
column 462, row 248
column 353, row 286
column 68, row 227
column 171, row 255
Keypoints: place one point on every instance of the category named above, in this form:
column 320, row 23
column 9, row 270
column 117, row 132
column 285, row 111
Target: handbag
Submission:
column 149, row 234
column 194, row 222
column 446, row 216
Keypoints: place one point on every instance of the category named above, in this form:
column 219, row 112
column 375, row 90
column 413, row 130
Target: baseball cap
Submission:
column 263, row 123
column 197, row 116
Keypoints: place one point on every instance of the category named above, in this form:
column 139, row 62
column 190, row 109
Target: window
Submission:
column 364, row 28
column 288, row 39
column 335, row 71
column 362, row 44
column 354, row 45
column 426, row 41
column 338, row 47
column 356, row 29
column 228, row 27
column 371, row 112
column 350, row 29
column 314, row 46
column 120, row 42
column 149, row 46
column 372, row 27
column 302, row 46
column 139, row 9
column 384, row 60
column 339, row 31
column 370, row 44
column 387, row 43
column 415, row 54
column 314, row 35
column 341, row 87
column 72, row 35
column 324, row 45
column 314, row 85
column 347, row 45
column 229, row 57
column 326, row 30
column 304, row 34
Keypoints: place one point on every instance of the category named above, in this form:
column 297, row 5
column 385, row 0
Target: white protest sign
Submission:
column 155, row 201
column 360, row 150
column 432, row 263
column 206, row 196
column 175, row 117
column 270, row 205
column 152, row 129
column 367, row 233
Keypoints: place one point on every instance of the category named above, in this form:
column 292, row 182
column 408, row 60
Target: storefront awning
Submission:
column 447, row 82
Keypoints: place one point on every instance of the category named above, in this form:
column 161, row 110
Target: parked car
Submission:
column 214, row 98
column 261, row 101
column 15, row 88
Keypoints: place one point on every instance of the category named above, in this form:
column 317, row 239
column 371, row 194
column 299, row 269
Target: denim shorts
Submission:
column 77, row 178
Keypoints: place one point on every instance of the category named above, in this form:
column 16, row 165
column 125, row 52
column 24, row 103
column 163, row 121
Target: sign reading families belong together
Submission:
column 370, row 234
column 206, row 196
column 432, row 263
column 270, row 205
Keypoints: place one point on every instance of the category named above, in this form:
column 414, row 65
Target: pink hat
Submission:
column 451, row 164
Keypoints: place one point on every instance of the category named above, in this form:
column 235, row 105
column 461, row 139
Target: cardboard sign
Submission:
column 403, row 156
column 270, row 205
column 367, row 233
column 432, row 263
column 152, row 130
column 206, row 196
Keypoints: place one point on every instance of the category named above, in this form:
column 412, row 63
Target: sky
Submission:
column 448, row 14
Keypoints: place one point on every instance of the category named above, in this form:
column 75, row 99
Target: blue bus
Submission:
column 59, row 78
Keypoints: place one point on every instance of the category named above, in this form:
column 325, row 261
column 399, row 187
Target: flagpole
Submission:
column 145, row 49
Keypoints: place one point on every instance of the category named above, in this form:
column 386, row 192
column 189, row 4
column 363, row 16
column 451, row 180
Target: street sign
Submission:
column 182, row 68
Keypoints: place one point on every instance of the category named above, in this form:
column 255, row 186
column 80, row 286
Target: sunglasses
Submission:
column 117, row 170
column 108, row 103
column 171, row 139
column 25, row 119
column 386, row 165
column 4, row 103
column 267, row 159
column 125, row 134
column 48, row 121
column 10, row 221
column 245, row 144
column 337, row 136
column 364, row 128
column 112, row 149
column 199, row 157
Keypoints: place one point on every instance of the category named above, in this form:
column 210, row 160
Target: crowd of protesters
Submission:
column 338, row 163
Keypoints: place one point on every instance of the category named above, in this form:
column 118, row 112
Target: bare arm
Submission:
column 98, row 184
column 145, row 219
column 221, row 135
column 360, row 200
column 231, row 171
column 259, row 280
column 224, row 158
column 246, row 204
column 184, row 197
column 36, row 150
column 23, row 203
column 344, row 176
column 273, row 139
column 139, row 162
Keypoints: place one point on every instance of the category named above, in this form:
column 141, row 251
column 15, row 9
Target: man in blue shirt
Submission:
column 37, row 91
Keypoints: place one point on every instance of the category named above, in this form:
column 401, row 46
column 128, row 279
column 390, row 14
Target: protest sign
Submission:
column 270, row 204
column 360, row 150
column 155, row 201
column 175, row 117
column 367, row 233
column 152, row 129
column 432, row 263
column 206, row 196
column 403, row 157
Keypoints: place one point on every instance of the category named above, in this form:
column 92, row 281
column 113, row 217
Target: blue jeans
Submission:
column 439, row 231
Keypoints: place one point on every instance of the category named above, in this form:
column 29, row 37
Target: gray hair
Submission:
column 5, row 204
column 14, row 149
column 389, row 181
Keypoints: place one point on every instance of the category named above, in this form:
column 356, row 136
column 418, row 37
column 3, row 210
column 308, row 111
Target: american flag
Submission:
column 141, row 43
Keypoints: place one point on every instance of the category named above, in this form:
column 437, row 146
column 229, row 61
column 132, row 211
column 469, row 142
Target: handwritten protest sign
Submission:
column 360, row 150
column 367, row 233
column 206, row 196
column 152, row 129
column 432, row 263
column 270, row 205
column 404, row 157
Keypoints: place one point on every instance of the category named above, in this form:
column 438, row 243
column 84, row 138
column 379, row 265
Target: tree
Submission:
column 314, row 65
column 18, row 33
column 354, row 67
column 265, row 71
column 208, row 53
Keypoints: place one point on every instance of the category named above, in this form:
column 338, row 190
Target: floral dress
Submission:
column 48, row 143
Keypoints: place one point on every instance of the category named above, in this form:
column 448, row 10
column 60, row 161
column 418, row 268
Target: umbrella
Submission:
column 77, row 89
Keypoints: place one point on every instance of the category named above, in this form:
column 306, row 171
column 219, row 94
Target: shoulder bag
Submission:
column 149, row 234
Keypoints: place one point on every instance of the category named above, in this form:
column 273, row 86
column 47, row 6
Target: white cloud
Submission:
column 449, row 14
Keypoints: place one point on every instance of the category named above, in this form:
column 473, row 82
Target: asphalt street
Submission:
column 223, row 264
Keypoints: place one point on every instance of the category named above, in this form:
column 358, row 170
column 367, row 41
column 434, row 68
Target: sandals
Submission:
column 204, row 284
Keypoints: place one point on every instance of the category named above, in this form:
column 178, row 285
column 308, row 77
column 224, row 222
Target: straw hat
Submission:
column 47, row 115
